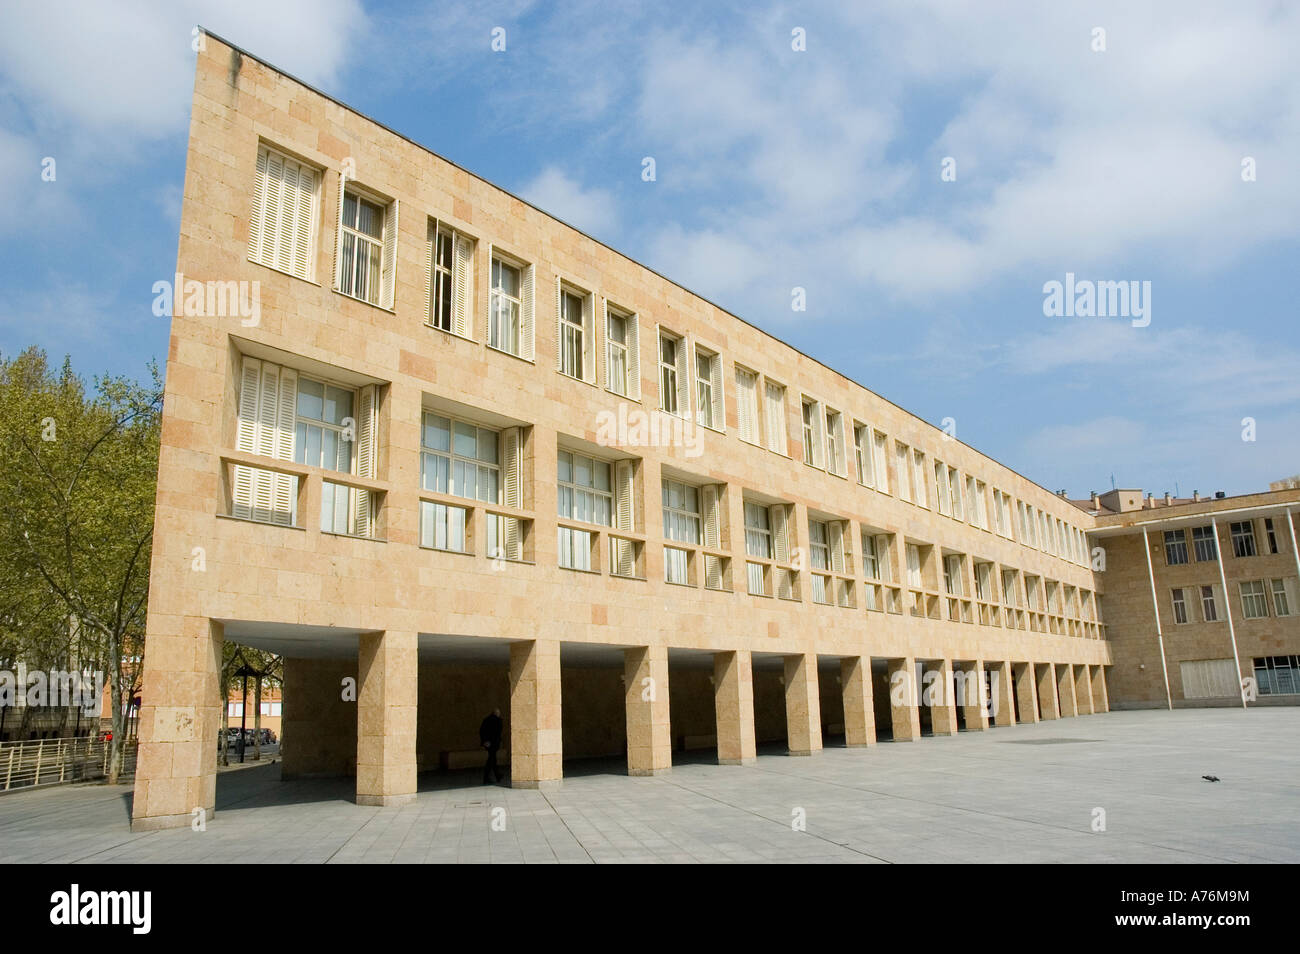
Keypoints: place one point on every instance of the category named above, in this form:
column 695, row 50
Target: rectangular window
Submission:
column 834, row 442
column 584, row 489
column 903, row 470
column 459, row 458
column 920, row 491
column 1270, row 535
column 882, row 462
column 676, row 565
column 913, row 566
column 681, row 508
column 774, row 417
column 1175, row 547
column 322, row 432
column 506, row 307
column 941, row 498
column 1243, row 539
column 1010, row 593
column 1277, row 675
column 451, row 280
column 981, row 505
column 819, row 551
column 1180, row 606
column 747, row 404
column 1254, row 605
column 984, row 582
column 361, row 247
column 1209, row 605
column 952, row 575
column 754, row 579
column 574, row 547
column 442, row 527
column 812, row 453
column 708, row 389
column 1204, row 545
column 758, row 531
column 283, row 215
column 572, row 333
column 954, row 493
column 622, row 366
column 1281, row 598
column 862, row 454
column 673, row 396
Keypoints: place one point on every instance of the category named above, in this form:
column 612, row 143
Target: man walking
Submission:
column 489, row 736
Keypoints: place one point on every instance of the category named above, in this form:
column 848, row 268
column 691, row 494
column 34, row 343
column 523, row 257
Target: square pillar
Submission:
column 1083, row 689
column 733, row 706
column 1047, row 707
column 1065, row 690
column 1026, row 691
column 938, row 694
column 859, row 707
column 972, row 696
column 904, row 713
column 387, row 700
column 803, row 718
column 1003, row 703
column 1100, row 701
column 649, row 732
column 181, row 710
column 536, row 732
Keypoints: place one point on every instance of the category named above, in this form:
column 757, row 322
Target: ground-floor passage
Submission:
column 405, row 704
column 1120, row 787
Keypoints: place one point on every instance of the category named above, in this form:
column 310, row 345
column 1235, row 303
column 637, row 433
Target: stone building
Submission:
column 449, row 454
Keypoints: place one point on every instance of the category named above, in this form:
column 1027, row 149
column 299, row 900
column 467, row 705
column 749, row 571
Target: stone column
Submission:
column 1047, row 701
column 1065, row 690
column 536, row 732
column 1100, row 700
column 803, row 719
column 1083, row 689
column 649, row 732
column 973, row 697
column 733, row 704
column 1003, row 702
column 940, row 695
column 180, row 713
column 387, row 700
column 1026, row 686
column 905, row 715
column 859, row 710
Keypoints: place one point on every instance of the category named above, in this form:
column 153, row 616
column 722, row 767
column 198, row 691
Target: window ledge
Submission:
column 450, row 334
column 578, row 569
column 689, row 586
column 362, row 301
column 260, row 523
column 281, row 271
column 510, row 354
column 353, row 536
column 627, row 576
column 620, row 394
column 430, row 549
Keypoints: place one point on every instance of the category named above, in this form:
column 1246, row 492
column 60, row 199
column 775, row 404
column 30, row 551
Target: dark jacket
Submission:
column 489, row 733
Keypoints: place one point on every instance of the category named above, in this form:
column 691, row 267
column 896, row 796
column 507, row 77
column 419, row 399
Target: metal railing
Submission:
column 58, row 761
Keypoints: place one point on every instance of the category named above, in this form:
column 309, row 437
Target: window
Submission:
column 572, row 333
column 451, row 280
column 862, row 455
column 984, row 582
column 952, row 575
column 322, row 438
column 819, row 556
column 366, row 244
column 1180, row 606
column 1277, row 675
column 1270, row 534
column 882, row 462
column 920, row 492
column 1254, row 605
column 812, row 424
column 941, row 498
column 981, row 505
column 1243, row 539
column 442, row 527
column 1003, row 513
column 954, row 493
column 673, row 396
column 681, row 506
column 1209, row 605
column 283, row 216
column 584, row 493
column 461, row 459
column 1203, row 544
column 913, row 566
column 1010, row 593
column 903, row 470
column 574, row 548
column 758, row 543
column 622, row 361
column 1027, row 534
column 510, row 308
column 708, row 389
column 834, row 442
column 1175, row 547
column 870, row 558
column 774, row 417
column 747, row 404
column 1282, row 599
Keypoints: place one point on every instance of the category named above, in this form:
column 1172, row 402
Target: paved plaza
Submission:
column 1022, row 794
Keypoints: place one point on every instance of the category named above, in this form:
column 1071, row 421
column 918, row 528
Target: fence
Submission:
column 58, row 761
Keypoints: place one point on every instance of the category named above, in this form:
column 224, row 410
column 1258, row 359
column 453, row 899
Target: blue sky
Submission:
column 775, row 168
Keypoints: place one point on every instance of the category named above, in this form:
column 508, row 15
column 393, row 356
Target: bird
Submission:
column 1210, row 778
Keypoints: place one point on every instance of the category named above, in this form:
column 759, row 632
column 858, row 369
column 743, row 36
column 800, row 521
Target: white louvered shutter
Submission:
column 715, row 382
column 559, row 325
column 684, row 378
column 526, row 322
column 712, row 571
column 487, row 324
column 589, row 338
column 258, row 209
column 603, row 314
column 712, row 524
column 747, row 404
column 835, row 539
column 284, row 494
column 634, row 357
column 512, row 479
column 780, row 543
column 304, row 222
column 367, row 451
column 388, row 281
column 624, row 519
column 463, row 283
column 430, row 270
column 250, row 389
column 338, row 234
column 264, row 483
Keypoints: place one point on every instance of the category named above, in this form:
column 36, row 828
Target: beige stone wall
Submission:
column 319, row 726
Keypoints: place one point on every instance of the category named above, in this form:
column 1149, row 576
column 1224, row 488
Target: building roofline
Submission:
column 338, row 102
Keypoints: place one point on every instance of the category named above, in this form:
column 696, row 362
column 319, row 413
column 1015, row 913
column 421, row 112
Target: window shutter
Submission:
column 715, row 379
column 712, row 572
column 304, row 221
column 835, row 539
column 257, row 210
column 362, row 501
column 780, row 547
column 712, row 530
column 559, row 325
column 634, row 357
column 512, row 463
column 430, row 269
column 589, row 338
column 604, row 351
column 463, row 282
column 526, row 347
column 285, row 486
column 338, row 234
column 275, row 249
column 624, row 553
column 1220, row 602
column 264, row 483
column 250, row 386
column 487, row 324
column 819, row 435
column 388, row 282
column 684, row 378
column 1289, row 587
column 744, row 404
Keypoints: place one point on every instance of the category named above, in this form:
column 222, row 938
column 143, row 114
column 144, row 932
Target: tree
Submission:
column 77, row 477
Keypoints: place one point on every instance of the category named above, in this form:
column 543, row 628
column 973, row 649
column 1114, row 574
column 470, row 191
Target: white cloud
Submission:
column 591, row 210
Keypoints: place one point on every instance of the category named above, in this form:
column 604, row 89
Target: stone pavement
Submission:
column 1026, row 793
